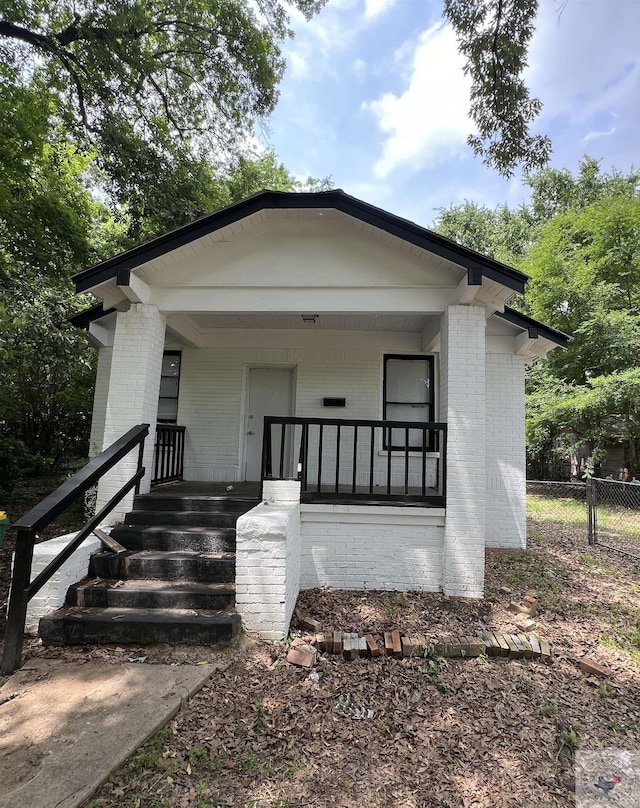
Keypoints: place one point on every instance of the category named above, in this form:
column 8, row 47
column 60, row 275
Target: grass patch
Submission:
column 561, row 511
column 531, row 570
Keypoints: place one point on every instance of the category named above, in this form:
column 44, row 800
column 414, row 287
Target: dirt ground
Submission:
column 410, row 733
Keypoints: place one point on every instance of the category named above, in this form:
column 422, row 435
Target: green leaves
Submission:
column 175, row 72
column 493, row 35
column 579, row 240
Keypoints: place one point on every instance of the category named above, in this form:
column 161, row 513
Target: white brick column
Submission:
column 103, row 374
column 134, row 386
column 268, row 561
column 506, row 463
column 463, row 407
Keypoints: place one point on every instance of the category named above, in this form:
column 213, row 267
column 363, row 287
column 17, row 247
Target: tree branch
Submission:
column 40, row 41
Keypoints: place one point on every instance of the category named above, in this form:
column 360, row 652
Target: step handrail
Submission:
column 39, row 517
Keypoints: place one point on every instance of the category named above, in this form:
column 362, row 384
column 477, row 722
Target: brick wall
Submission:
column 359, row 547
column 134, row 384
column 53, row 593
column 268, row 567
column 506, row 486
column 463, row 406
column 213, row 396
column 103, row 372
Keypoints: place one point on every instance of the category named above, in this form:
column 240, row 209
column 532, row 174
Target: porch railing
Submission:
column 358, row 461
column 168, row 456
column 38, row 518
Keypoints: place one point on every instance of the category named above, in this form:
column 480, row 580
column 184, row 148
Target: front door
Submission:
column 270, row 393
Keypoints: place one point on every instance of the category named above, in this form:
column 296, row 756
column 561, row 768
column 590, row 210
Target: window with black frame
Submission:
column 408, row 396
column 169, row 387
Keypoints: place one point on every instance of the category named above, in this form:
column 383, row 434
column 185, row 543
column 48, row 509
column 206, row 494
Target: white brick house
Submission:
column 335, row 318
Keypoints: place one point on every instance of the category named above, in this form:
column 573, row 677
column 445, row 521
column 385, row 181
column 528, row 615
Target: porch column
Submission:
column 463, row 407
column 134, row 386
column 103, row 374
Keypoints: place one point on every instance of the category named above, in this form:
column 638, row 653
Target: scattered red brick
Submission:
column 307, row 624
column 372, row 646
column 594, row 668
column 303, row 655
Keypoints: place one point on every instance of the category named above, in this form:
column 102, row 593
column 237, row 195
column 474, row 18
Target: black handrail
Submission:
column 39, row 517
column 168, row 461
column 343, row 456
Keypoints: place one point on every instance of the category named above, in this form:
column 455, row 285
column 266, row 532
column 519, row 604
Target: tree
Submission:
column 46, row 214
column 51, row 226
column 579, row 240
column 493, row 36
column 156, row 90
column 499, row 233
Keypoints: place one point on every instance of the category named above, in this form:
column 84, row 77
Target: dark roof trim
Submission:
column 376, row 217
column 534, row 327
column 83, row 319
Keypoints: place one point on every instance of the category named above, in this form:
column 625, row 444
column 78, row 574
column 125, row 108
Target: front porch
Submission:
column 344, row 461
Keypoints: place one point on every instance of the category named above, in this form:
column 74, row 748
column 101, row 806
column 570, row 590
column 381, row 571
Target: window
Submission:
column 408, row 396
column 169, row 386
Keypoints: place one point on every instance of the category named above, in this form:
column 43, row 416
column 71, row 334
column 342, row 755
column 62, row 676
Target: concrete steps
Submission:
column 152, row 594
column 204, row 504
column 164, row 537
column 76, row 625
column 167, row 566
column 175, row 583
column 183, row 518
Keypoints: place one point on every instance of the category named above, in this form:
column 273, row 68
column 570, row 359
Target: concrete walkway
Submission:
column 65, row 726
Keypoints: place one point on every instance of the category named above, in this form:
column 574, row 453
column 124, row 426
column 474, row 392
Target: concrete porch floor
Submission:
column 200, row 488
column 251, row 490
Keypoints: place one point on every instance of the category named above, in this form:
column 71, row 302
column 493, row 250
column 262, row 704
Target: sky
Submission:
column 375, row 97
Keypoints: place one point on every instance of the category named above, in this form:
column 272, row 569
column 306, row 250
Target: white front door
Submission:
column 270, row 393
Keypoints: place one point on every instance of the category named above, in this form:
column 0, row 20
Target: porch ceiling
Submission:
column 326, row 322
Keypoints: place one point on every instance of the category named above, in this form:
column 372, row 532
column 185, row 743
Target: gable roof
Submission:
column 477, row 265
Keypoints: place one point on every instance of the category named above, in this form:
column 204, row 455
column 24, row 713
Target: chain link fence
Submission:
column 561, row 503
column 613, row 510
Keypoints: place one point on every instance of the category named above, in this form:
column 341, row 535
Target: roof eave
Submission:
column 339, row 200
column 534, row 327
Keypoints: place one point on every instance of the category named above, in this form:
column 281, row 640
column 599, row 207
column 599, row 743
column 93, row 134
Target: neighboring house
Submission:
column 334, row 317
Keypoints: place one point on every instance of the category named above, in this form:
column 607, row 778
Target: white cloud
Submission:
column 311, row 55
column 429, row 121
column 595, row 135
column 585, row 60
column 360, row 68
column 374, row 8
column 298, row 65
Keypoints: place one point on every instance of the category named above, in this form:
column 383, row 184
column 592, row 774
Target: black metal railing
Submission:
column 357, row 461
column 168, row 456
column 38, row 518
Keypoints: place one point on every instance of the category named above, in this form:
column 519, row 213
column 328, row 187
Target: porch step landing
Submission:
column 175, row 583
